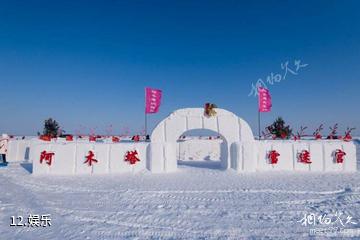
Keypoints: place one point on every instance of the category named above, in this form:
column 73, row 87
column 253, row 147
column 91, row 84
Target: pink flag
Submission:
column 264, row 100
column 152, row 100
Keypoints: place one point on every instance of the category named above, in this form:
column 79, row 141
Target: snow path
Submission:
column 194, row 203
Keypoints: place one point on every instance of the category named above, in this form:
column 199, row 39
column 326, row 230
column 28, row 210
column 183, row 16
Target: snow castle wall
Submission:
column 238, row 149
column 20, row 150
column 70, row 157
column 254, row 157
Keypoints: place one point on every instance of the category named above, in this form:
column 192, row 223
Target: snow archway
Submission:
column 166, row 133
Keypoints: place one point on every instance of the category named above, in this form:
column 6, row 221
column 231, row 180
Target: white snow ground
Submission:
column 194, row 203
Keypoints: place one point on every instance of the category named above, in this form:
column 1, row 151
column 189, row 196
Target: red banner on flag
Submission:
column 264, row 100
column 152, row 100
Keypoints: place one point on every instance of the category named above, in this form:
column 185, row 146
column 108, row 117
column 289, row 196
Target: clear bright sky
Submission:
column 86, row 63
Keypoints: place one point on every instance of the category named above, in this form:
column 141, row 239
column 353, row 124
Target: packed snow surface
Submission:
column 197, row 202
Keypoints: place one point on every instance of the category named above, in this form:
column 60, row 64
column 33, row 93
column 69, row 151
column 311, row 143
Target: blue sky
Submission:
column 86, row 63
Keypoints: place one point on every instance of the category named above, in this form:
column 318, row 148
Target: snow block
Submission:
column 170, row 161
column 329, row 156
column 298, row 147
column 82, row 150
column 102, row 155
column 243, row 156
column 156, row 161
column 174, row 128
column 142, row 149
column 41, row 168
column 117, row 157
column 163, row 157
column 210, row 123
column 350, row 159
column 225, row 155
column 194, row 122
column 317, row 156
column 229, row 127
column 285, row 150
column 18, row 150
column 64, row 159
column 249, row 150
column 262, row 160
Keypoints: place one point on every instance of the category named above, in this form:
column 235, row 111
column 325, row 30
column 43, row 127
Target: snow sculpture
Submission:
column 163, row 138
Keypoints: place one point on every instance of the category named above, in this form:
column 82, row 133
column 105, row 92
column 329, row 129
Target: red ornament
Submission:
column 347, row 137
column 132, row 157
column 209, row 109
column 92, row 138
column 273, row 156
column 304, row 157
column 339, row 156
column 45, row 138
column 69, row 138
column 283, row 135
column 47, row 156
column 317, row 133
column 136, row 138
column 115, row 139
column 90, row 158
column 296, row 138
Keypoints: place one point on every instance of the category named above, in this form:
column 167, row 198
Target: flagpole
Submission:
column 145, row 115
column 259, row 122
column 145, row 125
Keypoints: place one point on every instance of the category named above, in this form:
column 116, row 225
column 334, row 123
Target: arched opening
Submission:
column 166, row 134
column 201, row 148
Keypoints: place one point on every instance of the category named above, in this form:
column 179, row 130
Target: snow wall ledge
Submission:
column 70, row 158
column 250, row 157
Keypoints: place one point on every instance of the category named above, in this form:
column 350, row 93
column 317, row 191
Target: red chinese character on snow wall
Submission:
column 304, row 157
column 339, row 156
column 90, row 158
column 273, row 156
column 132, row 157
column 47, row 156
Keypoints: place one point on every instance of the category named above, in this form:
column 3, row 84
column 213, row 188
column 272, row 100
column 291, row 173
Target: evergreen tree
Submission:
column 279, row 130
column 51, row 128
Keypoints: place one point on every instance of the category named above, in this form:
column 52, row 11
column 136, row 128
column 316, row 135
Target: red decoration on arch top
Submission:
column 47, row 156
column 304, row 157
column 339, row 156
column 132, row 157
column 209, row 109
column 273, row 156
column 90, row 158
